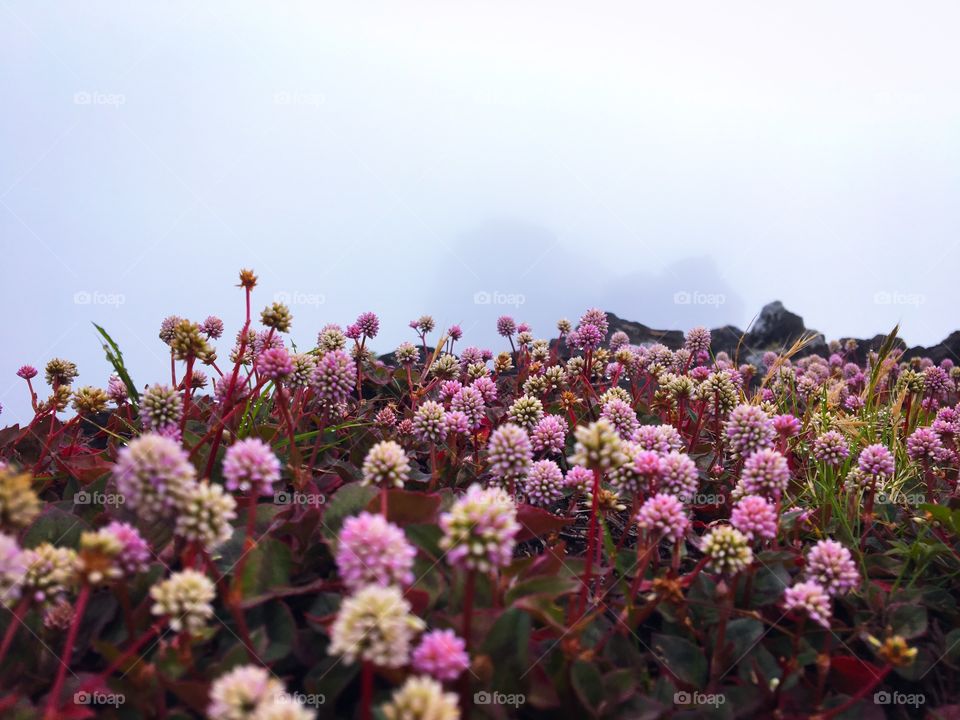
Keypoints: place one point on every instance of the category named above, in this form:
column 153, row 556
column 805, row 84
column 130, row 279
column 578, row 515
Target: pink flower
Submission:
column 810, row 598
column 441, row 654
column 755, row 517
column 663, row 516
column 250, row 466
column 831, row 565
column 372, row 550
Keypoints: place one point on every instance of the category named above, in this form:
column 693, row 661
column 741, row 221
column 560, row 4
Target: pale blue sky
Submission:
column 423, row 156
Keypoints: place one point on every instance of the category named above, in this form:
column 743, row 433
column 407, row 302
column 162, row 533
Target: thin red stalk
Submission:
column 15, row 620
column 366, row 691
column 78, row 611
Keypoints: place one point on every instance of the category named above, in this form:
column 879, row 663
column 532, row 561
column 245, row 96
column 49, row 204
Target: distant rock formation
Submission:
column 776, row 328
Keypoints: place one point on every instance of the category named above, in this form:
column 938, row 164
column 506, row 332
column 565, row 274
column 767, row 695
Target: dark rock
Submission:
column 775, row 327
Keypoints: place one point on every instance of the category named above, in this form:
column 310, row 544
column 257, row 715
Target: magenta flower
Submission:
column 368, row 324
column 27, row 372
column 809, row 598
column 441, row 654
column 663, row 516
column 544, row 483
column 578, row 478
column 679, row 475
column 621, row 416
column 831, row 565
column 509, row 452
column 469, row 401
column 749, row 429
column 786, row 425
column 487, row 389
column 766, row 473
column 755, row 517
column 371, row 550
column 549, row 435
column 135, row 555
column 830, row 448
column 274, row 364
column 876, row 462
column 250, row 467
column 506, row 326
column 334, row 376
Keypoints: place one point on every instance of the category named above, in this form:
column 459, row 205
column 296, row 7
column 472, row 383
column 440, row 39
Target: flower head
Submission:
column 728, row 550
column 809, row 598
column 549, row 435
column 135, row 552
column 470, row 401
column 830, row 448
column 205, row 515
column 421, row 698
column 831, row 565
column 441, row 654
column 876, row 463
column 368, row 324
column 251, row 467
column 621, row 416
column 184, row 599
column 480, row 530
column 375, row 625
column 19, row 504
column 509, row 452
column 598, row 446
column 372, row 550
column 663, row 516
column 334, row 377
column 160, row 407
column 766, row 473
column 241, row 692
column 275, row 364
column 749, row 429
column 13, row 570
column 544, row 483
column 755, row 517
column 153, row 474
column 386, row 465
column 679, row 475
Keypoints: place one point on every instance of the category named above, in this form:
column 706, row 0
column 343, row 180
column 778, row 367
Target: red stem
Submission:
column 78, row 611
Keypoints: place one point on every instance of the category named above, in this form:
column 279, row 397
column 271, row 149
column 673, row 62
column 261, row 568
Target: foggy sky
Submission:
column 675, row 163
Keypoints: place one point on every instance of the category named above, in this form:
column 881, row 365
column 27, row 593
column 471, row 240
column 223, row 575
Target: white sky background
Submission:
column 403, row 157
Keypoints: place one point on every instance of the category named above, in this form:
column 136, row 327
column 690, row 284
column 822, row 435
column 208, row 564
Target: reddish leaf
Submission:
column 419, row 600
column 849, row 674
column 537, row 522
column 408, row 507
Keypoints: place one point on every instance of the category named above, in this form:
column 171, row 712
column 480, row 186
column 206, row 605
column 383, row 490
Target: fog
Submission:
column 675, row 163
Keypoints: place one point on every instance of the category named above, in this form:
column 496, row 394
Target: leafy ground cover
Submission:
column 567, row 527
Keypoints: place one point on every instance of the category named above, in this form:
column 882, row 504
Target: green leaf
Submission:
column 549, row 585
column 908, row 620
column 115, row 357
column 267, row 567
column 682, row 658
column 743, row 634
column 588, row 685
column 348, row 500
